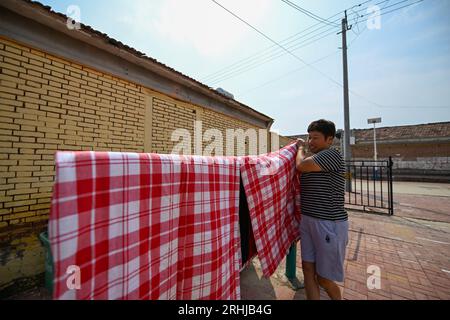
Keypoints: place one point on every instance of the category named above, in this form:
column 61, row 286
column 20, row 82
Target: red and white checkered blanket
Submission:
column 153, row 226
column 272, row 189
column 145, row 226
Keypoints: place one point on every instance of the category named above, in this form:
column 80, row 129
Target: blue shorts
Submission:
column 323, row 242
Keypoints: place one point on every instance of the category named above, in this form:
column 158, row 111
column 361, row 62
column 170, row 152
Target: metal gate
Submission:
column 370, row 186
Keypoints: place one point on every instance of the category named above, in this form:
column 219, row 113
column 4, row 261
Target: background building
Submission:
column 419, row 152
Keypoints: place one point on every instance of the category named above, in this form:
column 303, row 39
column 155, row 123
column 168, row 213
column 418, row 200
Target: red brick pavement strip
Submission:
column 410, row 267
column 411, row 257
column 404, row 264
column 422, row 207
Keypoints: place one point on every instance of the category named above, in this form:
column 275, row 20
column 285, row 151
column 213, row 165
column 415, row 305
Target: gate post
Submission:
column 391, row 194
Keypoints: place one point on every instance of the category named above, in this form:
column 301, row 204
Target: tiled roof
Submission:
column 428, row 130
column 418, row 131
column 336, row 142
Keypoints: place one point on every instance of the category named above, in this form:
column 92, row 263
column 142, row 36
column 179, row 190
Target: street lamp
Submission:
column 374, row 121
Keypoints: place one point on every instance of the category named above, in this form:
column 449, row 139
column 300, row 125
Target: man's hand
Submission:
column 303, row 161
column 301, row 143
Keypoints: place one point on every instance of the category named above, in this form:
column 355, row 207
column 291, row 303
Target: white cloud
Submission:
column 292, row 93
column 140, row 15
column 199, row 24
column 415, row 14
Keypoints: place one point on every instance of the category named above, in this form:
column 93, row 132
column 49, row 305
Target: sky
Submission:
column 398, row 63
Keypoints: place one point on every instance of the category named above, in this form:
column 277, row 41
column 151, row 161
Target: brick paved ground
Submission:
column 411, row 248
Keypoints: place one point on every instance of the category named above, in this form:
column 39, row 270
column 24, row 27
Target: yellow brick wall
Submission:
column 167, row 116
column 212, row 121
column 48, row 104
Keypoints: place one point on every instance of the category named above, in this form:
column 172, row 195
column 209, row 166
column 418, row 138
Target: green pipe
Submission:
column 291, row 261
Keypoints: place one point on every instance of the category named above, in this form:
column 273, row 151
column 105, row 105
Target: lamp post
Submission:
column 374, row 121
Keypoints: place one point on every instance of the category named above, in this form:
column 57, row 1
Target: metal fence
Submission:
column 370, row 187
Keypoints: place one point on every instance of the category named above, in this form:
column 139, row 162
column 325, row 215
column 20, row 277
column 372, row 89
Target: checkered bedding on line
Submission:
column 153, row 226
column 273, row 195
column 146, row 226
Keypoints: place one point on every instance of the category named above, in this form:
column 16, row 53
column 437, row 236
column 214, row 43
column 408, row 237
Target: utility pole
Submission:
column 347, row 133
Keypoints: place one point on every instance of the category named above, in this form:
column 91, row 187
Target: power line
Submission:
column 253, row 56
column 286, row 74
column 309, row 13
column 407, row 5
column 356, row 23
column 360, row 4
column 248, row 64
column 273, row 41
column 278, row 44
column 245, row 68
column 395, row 107
column 377, row 104
column 320, row 59
column 386, row 12
column 262, row 53
column 303, row 61
column 366, row 99
column 271, row 55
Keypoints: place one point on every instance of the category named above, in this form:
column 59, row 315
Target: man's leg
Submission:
column 330, row 287
column 331, row 240
column 311, row 286
column 308, row 260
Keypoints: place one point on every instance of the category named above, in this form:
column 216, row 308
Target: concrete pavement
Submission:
column 410, row 248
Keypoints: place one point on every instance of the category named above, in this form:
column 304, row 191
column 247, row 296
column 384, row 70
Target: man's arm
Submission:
column 302, row 162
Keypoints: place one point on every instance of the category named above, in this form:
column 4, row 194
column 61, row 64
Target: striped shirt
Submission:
column 322, row 193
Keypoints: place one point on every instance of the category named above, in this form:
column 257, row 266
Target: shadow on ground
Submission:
column 255, row 287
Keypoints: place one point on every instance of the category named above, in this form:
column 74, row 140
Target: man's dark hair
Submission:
column 327, row 128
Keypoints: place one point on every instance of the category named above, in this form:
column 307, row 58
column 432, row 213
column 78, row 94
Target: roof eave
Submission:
column 58, row 23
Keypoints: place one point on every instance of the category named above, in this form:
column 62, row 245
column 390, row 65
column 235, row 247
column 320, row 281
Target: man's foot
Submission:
column 296, row 284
